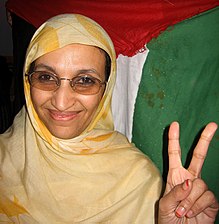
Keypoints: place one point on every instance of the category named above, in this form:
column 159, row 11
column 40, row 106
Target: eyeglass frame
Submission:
column 71, row 82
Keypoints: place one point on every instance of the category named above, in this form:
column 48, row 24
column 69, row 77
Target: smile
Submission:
column 63, row 116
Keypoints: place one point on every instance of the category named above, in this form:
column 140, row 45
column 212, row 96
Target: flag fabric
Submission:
column 180, row 81
column 178, row 78
column 130, row 24
column 129, row 71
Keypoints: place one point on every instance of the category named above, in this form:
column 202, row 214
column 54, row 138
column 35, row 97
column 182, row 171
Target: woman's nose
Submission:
column 64, row 97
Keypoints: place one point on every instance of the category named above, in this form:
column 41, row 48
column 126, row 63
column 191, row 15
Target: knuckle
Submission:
column 188, row 202
column 199, row 155
column 176, row 192
column 209, row 200
column 205, row 137
column 194, row 173
column 210, row 196
column 174, row 152
column 200, row 184
column 162, row 204
column 161, row 201
column 197, row 207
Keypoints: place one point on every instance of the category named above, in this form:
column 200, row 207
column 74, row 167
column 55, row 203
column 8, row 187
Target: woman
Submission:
column 61, row 161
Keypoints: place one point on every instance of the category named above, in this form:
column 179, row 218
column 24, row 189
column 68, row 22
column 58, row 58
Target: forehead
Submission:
column 74, row 51
column 70, row 57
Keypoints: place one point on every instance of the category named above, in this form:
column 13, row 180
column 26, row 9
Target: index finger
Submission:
column 201, row 149
column 174, row 151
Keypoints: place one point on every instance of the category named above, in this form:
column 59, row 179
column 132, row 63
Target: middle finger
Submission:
column 198, row 189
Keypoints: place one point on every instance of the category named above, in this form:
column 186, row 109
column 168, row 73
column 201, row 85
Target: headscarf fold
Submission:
column 96, row 177
column 56, row 33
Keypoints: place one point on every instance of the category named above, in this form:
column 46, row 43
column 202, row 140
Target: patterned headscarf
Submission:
column 56, row 33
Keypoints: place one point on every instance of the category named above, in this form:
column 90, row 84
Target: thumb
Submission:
column 170, row 201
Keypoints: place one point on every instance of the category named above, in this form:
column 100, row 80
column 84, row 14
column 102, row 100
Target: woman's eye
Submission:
column 45, row 77
column 85, row 81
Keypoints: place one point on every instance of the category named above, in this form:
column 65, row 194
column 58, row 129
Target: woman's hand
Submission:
column 187, row 198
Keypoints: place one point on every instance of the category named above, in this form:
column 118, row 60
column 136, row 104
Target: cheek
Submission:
column 38, row 97
column 33, row 96
column 91, row 103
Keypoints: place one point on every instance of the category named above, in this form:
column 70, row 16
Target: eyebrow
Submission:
column 43, row 66
column 51, row 69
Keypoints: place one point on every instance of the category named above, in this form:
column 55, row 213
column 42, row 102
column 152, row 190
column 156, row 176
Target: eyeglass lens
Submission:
column 82, row 84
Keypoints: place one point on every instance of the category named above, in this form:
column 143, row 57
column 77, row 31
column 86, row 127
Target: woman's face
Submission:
column 64, row 112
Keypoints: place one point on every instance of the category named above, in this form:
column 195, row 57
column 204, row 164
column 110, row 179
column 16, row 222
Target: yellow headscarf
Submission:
column 97, row 177
column 56, row 33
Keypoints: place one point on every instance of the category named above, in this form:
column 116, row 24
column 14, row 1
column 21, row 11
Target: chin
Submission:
column 63, row 134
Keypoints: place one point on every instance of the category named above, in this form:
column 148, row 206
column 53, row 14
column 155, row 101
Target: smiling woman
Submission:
column 61, row 160
column 72, row 167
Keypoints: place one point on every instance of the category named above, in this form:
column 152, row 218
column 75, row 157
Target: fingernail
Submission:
column 189, row 213
column 186, row 184
column 180, row 211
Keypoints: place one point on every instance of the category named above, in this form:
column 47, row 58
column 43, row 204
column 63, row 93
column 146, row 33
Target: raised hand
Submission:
column 187, row 198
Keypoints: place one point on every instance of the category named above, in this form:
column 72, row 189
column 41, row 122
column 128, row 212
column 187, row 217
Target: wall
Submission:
column 5, row 32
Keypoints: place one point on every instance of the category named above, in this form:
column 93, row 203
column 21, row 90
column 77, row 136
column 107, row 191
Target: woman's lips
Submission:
column 63, row 116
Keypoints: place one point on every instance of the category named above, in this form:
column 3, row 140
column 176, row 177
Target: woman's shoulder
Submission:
column 13, row 135
column 134, row 158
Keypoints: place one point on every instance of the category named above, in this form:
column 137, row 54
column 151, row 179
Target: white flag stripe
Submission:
column 129, row 71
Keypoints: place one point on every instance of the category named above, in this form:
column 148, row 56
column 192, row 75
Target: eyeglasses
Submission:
column 82, row 84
